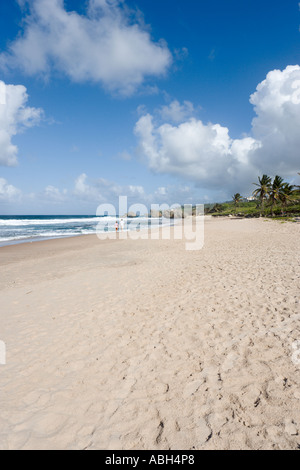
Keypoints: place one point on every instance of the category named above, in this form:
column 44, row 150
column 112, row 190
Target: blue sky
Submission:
column 162, row 101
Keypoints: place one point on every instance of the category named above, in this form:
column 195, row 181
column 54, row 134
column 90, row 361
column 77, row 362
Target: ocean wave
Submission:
column 89, row 220
column 31, row 229
column 33, row 222
column 50, row 234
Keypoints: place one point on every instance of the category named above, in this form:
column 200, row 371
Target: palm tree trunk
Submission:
column 262, row 207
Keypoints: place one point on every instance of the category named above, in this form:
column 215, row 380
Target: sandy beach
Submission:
column 135, row 344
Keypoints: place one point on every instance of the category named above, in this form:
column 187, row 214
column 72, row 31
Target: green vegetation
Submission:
column 262, row 191
column 237, row 199
column 276, row 199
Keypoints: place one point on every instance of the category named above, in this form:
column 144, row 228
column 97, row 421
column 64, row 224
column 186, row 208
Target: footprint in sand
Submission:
column 192, row 387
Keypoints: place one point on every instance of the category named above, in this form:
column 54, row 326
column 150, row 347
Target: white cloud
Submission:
column 54, row 194
column 277, row 124
column 161, row 191
column 101, row 189
column 135, row 190
column 176, row 112
column 206, row 154
column 85, row 191
column 88, row 193
column 107, row 45
column 202, row 153
column 15, row 117
column 182, row 53
column 8, row 192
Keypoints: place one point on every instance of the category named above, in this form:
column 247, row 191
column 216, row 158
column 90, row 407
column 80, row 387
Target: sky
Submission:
column 178, row 101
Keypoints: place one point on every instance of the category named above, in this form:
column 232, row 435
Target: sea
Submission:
column 20, row 229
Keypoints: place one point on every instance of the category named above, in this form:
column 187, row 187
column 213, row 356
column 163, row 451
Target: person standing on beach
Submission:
column 117, row 226
column 122, row 225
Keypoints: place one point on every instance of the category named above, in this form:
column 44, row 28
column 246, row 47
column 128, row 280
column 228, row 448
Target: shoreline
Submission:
column 58, row 237
column 160, row 227
column 206, row 218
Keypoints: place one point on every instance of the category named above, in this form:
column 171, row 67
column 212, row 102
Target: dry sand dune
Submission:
column 143, row 345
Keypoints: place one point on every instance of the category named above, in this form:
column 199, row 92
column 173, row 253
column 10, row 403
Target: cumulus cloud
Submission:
column 8, row 192
column 85, row 191
column 277, row 122
column 103, row 190
column 203, row 153
column 107, row 45
column 53, row 194
column 176, row 112
column 206, row 154
column 15, row 117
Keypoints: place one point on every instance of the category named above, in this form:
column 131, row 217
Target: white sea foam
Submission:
column 23, row 222
column 92, row 220
column 49, row 234
column 26, row 229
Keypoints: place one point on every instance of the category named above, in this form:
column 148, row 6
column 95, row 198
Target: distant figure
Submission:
column 122, row 225
column 116, row 226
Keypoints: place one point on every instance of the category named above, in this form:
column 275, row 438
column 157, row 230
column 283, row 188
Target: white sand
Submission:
column 143, row 345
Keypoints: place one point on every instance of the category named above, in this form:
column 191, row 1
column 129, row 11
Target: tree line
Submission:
column 271, row 192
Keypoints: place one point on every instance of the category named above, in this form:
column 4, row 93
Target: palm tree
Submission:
column 217, row 207
column 236, row 199
column 286, row 195
column 262, row 191
column 275, row 191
